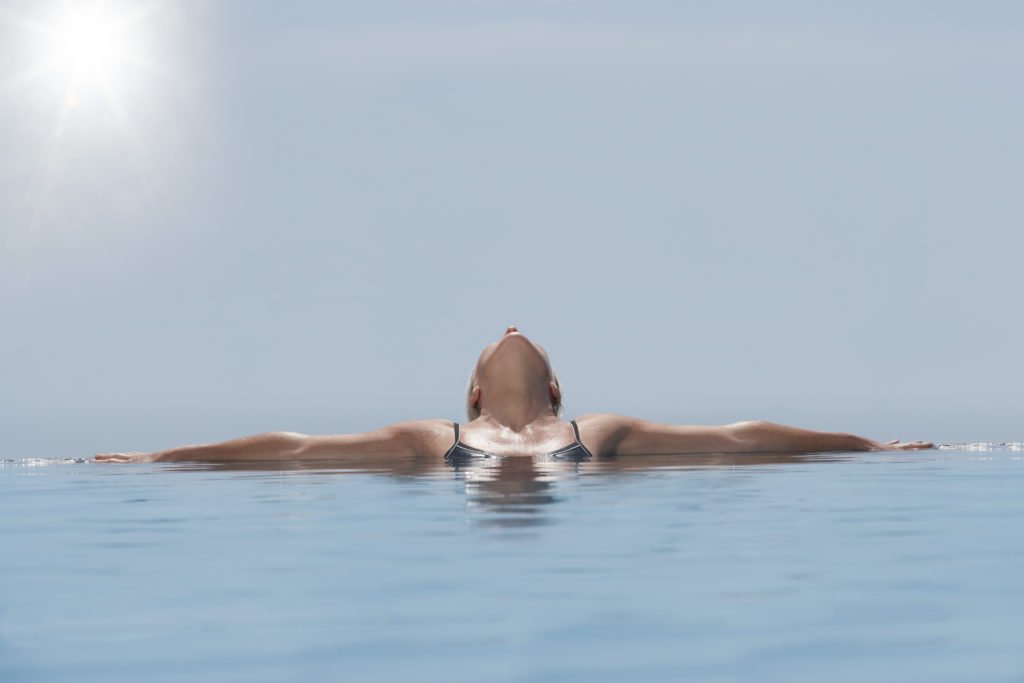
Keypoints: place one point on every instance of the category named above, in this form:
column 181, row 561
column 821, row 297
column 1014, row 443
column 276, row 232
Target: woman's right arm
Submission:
column 404, row 438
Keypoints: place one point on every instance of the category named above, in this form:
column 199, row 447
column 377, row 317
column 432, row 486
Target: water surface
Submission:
column 850, row 567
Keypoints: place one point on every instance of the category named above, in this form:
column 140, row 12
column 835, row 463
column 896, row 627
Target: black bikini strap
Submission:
column 576, row 431
column 456, row 441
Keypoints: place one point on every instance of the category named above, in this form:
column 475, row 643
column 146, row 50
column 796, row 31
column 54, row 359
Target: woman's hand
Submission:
column 126, row 457
column 898, row 445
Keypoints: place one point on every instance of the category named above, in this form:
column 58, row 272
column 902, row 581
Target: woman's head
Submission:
column 512, row 366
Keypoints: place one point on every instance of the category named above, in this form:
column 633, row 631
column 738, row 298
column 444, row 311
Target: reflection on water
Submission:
column 518, row 492
column 511, row 491
column 843, row 568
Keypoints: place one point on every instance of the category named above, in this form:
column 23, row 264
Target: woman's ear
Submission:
column 556, row 394
column 474, row 397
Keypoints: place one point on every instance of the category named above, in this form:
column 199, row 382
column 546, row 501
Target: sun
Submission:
column 92, row 59
column 88, row 47
column 95, row 44
column 86, row 42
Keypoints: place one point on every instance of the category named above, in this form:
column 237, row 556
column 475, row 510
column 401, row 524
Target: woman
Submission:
column 514, row 402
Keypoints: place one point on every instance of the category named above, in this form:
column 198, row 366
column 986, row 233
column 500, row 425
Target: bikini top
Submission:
column 460, row 453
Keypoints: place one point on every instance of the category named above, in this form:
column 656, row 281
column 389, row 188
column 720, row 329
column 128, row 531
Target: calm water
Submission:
column 860, row 567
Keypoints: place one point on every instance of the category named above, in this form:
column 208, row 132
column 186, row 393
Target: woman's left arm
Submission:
column 620, row 435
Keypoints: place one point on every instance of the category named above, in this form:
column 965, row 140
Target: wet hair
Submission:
column 473, row 412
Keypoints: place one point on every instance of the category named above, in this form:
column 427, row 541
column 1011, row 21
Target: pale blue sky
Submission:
column 312, row 216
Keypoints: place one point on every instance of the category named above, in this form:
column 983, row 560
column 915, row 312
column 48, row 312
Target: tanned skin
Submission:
column 514, row 400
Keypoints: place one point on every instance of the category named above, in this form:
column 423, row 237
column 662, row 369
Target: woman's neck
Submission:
column 517, row 412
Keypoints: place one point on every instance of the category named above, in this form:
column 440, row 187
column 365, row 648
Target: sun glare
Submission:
column 86, row 42
column 88, row 49
column 92, row 45
column 94, row 60
column 85, row 46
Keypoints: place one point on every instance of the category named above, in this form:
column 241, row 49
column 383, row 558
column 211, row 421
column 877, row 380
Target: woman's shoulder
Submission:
column 426, row 428
column 425, row 436
column 602, row 421
column 601, row 432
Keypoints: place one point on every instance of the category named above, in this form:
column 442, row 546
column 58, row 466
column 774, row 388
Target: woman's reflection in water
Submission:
column 515, row 491
column 512, row 491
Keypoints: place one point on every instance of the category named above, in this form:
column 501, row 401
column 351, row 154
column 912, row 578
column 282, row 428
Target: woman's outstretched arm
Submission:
column 619, row 435
column 404, row 438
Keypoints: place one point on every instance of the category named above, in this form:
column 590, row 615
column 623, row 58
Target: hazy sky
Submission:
column 312, row 216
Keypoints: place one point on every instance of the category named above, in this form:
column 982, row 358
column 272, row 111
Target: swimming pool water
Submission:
column 852, row 567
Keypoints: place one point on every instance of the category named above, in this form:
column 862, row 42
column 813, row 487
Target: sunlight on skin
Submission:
column 88, row 50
